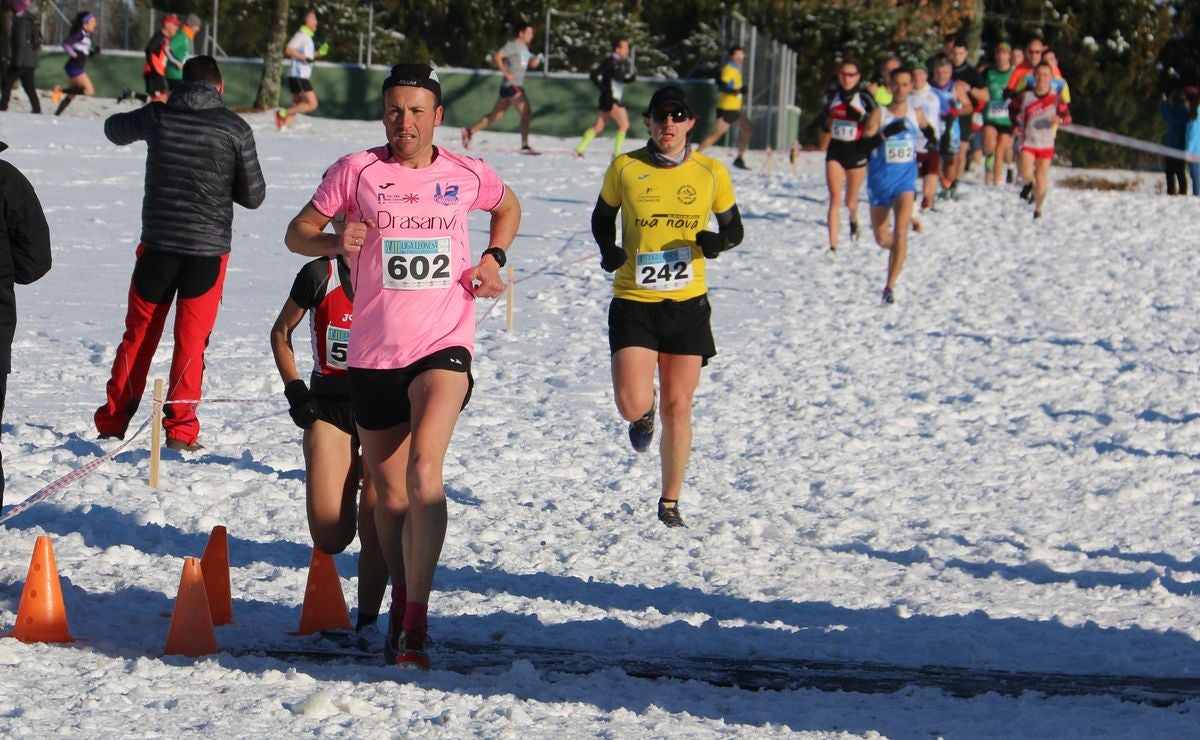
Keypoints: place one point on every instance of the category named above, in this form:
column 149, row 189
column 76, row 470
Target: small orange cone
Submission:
column 215, row 565
column 191, row 632
column 41, row 617
column 324, row 605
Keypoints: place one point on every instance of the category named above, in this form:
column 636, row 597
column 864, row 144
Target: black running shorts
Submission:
column 379, row 398
column 336, row 410
column 729, row 116
column 299, row 85
column 846, row 153
column 669, row 327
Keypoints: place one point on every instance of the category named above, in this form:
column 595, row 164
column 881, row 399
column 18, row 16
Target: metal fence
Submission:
column 770, row 72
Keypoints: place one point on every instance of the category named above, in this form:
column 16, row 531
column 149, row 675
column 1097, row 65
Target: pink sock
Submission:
column 416, row 615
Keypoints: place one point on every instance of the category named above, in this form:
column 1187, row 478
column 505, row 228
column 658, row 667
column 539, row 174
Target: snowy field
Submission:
column 997, row 473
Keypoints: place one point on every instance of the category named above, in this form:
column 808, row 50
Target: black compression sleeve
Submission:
column 729, row 224
column 604, row 224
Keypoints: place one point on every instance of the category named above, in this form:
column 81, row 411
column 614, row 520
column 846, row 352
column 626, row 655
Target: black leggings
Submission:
column 25, row 75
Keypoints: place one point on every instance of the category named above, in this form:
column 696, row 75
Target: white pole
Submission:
column 215, row 23
column 370, row 33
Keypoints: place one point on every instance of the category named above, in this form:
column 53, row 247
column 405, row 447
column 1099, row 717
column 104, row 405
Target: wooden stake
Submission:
column 768, row 165
column 156, row 432
column 508, row 322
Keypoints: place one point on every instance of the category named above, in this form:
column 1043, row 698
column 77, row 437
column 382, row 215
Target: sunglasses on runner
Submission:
column 661, row 115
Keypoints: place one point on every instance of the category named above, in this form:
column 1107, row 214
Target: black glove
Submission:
column 743, row 89
column 612, row 257
column 95, row 52
column 854, row 114
column 895, row 127
column 710, row 243
column 304, row 409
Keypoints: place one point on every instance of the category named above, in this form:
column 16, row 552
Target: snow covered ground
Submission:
column 996, row 473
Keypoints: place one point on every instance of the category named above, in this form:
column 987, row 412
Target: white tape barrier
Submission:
column 69, row 478
column 1129, row 142
column 83, row 471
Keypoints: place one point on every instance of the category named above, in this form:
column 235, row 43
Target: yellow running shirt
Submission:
column 731, row 79
column 662, row 208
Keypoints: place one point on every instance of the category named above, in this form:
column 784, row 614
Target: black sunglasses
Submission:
column 661, row 115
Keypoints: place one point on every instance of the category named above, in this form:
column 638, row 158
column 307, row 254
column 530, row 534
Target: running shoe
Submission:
column 831, row 255
column 641, row 432
column 916, row 224
column 465, row 136
column 740, row 164
column 414, row 650
column 369, row 639
column 180, row 446
column 888, row 297
column 56, row 94
column 126, row 94
column 854, row 230
column 668, row 513
column 526, row 149
column 1027, row 192
column 1037, row 213
column 1008, row 176
column 280, row 119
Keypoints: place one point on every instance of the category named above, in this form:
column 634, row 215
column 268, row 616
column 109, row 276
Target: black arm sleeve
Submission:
column 604, row 224
column 126, row 128
column 729, row 224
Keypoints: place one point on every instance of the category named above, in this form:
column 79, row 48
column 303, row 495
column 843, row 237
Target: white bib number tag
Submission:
column 618, row 89
column 899, row 152
column 997, row 109
column 416, row 264
column 845, row 130
column 669, row 270
column 337, row 341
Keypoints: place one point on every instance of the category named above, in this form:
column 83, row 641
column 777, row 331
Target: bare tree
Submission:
column 268, row 87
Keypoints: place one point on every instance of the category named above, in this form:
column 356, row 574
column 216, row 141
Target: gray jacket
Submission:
column 200, row 160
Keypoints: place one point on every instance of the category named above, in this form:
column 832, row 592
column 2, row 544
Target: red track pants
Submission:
column 194, row 285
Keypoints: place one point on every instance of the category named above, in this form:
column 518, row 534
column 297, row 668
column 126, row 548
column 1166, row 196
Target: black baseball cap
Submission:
column 668, row 96
column 414, row 75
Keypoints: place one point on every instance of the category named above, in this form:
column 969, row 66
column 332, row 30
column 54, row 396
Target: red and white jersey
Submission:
column 411, row 293
column 321, row 288
column 1035, row 118
column 847, row 114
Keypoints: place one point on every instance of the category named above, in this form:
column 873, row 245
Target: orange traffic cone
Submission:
column 41, row 617
column 215, row 565
column 324, row 605
column 191, row 632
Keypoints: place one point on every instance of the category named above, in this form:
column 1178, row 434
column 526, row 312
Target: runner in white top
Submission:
column 406, row 206
column 302, row 51
column 513, row 59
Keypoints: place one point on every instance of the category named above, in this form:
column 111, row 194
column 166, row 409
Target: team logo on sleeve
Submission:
column 447, row 196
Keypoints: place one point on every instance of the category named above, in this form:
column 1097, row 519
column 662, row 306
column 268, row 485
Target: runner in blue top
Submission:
column 894, row 133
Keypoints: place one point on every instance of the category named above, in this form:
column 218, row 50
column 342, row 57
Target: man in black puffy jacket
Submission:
column 24, row 257
column 200, row 160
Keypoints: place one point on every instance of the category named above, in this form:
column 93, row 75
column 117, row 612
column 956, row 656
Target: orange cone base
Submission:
column 191, row 632
column 42, row 617
column 324, row 604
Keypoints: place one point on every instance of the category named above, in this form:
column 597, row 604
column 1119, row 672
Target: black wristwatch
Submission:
column 497, row 254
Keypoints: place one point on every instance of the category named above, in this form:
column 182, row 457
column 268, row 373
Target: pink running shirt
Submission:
column 410, row 293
